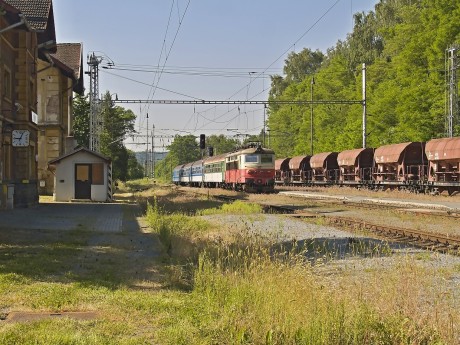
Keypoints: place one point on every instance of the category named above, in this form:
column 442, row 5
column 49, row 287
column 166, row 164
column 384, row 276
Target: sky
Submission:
column 198, row 50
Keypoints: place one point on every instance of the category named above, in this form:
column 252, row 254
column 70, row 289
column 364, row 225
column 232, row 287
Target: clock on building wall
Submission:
column 20, row 137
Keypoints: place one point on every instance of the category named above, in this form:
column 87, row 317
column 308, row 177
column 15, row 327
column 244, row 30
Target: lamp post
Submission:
column 311, row 114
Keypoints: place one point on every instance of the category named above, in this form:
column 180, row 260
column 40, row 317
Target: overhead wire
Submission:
column 160, row 88
column 258, row 75
column 284, row 52
column 169, row 52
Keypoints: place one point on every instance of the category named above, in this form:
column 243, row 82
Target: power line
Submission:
column 210, row 73
column 151, row 94
column 298, row 40
column 143, row 83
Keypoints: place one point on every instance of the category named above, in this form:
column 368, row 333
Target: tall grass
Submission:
column 248, row 292
column 249, row 298
column 236, row 207
column 173, row 227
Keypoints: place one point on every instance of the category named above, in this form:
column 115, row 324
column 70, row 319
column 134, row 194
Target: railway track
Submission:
column 417, row 238
column 369, row 203
column 421, row 239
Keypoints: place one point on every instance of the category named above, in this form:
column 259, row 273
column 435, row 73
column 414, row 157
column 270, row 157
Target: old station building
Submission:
column 37, row 81
column 58, row 79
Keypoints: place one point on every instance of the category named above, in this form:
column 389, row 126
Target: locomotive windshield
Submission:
column 251, row 159
column 258, row 159
column 266, row 158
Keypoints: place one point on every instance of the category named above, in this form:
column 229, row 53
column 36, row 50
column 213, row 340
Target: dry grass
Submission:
column 241, row 295
column 237, row 291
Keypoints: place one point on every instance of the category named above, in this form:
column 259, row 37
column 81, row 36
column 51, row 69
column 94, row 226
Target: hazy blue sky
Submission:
column 217, row 50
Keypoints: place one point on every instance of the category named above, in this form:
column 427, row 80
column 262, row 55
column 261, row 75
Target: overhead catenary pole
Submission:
column 265, row 128
column 364, row 107
column 147, row 150
column 95, row 123
column 311, row 114
column 452, row 89
column 153, row 151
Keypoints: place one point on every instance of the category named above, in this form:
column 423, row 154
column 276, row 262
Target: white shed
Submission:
column 82, row 174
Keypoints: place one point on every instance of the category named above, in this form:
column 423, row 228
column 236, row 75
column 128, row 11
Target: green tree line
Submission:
column 118, row 123
column 403, row 44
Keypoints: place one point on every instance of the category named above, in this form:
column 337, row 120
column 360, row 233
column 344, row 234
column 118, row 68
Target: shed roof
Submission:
column 443, row 149
column 298, row 161
column 318, row 160
column 390, row 153
column 81, row 149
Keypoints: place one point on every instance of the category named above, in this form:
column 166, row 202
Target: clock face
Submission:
column 20, row 137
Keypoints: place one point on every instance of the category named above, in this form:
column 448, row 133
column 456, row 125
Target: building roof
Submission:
column 37, row 12
column 11, row 13
column 39, row 15
column 81, row 149
column 69, row 58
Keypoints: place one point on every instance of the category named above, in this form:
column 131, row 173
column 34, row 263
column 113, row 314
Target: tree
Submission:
column 117, row 124
column 135, row 169
column 184, row 149
column 221, row 143
column 81, row 120
column 299, row 65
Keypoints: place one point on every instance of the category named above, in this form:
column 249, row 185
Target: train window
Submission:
column 251, row 158
column 266, row 159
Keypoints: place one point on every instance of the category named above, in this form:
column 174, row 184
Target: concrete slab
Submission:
column 101, row 217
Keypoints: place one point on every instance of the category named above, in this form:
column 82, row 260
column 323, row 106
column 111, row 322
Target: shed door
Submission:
column 82, row 181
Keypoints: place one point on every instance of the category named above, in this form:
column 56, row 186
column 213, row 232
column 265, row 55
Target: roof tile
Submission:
column 36, row 11
column 70, row 54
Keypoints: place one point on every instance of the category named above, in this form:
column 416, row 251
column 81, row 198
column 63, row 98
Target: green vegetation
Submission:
column 173, row 226
column 213, row 288
column 118, row 122
column 236, row 207
column 403, row 44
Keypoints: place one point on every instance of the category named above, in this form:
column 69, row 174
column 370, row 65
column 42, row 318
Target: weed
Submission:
column 236, row 207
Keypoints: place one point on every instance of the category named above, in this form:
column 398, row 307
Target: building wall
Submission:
column 65, row 177
column 54, row 113
column 18, row 50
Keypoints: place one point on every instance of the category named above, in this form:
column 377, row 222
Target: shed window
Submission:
column 98, row 173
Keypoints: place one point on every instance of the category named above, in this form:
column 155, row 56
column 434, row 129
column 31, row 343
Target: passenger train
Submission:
column 249, row 169
column 427, row 167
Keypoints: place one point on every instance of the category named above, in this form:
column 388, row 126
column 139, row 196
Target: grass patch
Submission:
column 176, row 231
column 244, row 296
column 239, row 292
column 236, row 207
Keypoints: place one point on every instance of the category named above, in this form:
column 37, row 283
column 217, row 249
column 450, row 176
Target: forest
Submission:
column 403, row 44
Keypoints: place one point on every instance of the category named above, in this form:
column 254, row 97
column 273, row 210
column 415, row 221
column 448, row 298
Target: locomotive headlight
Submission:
column 251, row 172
